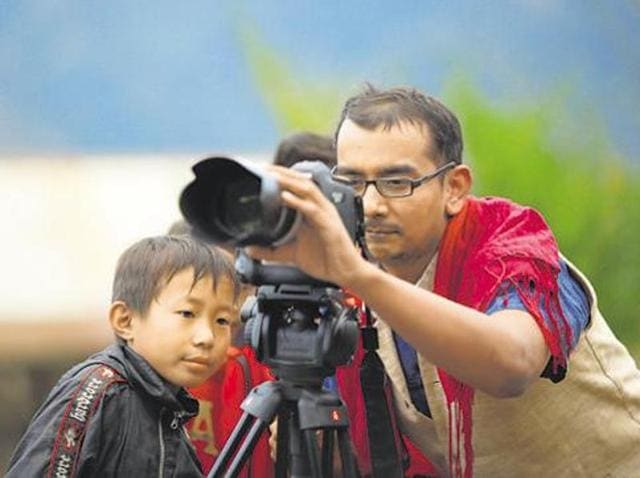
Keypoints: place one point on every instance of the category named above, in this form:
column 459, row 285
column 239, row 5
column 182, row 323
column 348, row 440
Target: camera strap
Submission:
column 385, row 449
column 73, row 426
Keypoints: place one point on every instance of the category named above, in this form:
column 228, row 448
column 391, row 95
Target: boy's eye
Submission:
column 187, row 314
column 222, row 321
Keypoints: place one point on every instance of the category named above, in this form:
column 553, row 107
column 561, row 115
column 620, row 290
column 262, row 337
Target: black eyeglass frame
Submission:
column 413, row 183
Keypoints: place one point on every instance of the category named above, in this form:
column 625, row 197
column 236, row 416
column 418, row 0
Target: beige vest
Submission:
column 588, row 425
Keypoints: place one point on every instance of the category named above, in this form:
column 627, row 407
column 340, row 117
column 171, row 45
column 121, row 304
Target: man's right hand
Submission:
column 322, row 247
column 273, row 439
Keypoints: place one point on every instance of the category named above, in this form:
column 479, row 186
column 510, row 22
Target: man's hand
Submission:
column 273, row 439
column 322, row 247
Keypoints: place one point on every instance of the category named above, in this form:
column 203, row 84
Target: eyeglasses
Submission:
column 390, row 187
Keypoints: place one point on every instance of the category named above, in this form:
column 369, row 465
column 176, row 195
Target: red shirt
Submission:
column 220, row 398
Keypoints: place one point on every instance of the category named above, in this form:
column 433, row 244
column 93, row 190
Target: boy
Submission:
column 221, row 395
column 122, row 411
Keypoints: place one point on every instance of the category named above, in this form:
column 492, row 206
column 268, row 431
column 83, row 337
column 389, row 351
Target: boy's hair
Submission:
column 374, row 107
column 183, row 228
column 147, row 266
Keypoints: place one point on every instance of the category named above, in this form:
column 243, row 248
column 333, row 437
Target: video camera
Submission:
column 237, row 202
column 297, row 324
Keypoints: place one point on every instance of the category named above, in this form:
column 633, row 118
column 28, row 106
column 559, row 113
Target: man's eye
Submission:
column 396, row 182
column 187, row 314
column 395, row 186
column 222, row 321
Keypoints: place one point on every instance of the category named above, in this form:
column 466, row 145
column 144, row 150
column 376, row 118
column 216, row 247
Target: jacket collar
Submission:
column 142, row 376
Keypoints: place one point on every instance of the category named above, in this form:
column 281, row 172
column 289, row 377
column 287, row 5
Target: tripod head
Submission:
column 297, row 325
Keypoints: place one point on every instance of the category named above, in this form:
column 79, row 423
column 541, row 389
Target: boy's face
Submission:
column 186, row 331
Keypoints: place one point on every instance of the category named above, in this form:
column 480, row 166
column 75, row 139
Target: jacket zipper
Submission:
column 161, row 436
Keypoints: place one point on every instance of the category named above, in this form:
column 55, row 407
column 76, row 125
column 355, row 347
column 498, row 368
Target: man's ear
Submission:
column 457, row 187
column 121, row 320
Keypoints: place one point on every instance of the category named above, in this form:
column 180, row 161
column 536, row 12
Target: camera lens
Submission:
column 241, row 207
column 237, row 203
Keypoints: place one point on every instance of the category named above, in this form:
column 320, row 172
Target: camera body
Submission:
column 238, row 203
column 298, row 325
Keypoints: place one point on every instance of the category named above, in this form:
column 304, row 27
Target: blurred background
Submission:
column 104, row 107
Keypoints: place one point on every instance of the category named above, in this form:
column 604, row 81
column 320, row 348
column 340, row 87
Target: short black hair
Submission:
column 148, row 265
column 375, row 107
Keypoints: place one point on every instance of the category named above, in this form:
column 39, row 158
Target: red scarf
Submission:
column 490, row 243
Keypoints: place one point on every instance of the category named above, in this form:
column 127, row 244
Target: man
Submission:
column 500, row 362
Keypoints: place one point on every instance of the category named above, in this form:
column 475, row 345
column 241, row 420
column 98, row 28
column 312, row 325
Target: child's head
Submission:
column 173, row 302
column 181, row 227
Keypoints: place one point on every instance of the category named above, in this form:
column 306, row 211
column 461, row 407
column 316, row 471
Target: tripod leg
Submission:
column 282, row 448
column 299, row 459
column 346, row 454
column 247, row 447
column 311, row 443
column 327, row 453
column 230, row 446
column 259, row 407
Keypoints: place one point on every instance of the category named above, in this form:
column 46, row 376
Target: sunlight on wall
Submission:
column 66, row 221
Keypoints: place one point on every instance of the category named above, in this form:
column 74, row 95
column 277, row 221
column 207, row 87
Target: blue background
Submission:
column 160, row 76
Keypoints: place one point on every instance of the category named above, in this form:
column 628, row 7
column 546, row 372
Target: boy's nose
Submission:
column 203, row 335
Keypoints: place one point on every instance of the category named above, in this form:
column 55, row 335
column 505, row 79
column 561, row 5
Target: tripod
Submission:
column 301, row 411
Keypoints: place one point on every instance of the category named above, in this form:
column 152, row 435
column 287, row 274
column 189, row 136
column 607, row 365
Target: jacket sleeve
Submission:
column 32, row 454
column 58, row 428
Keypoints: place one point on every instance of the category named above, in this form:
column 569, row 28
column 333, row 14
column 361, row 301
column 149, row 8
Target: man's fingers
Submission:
column 307, row 208
column 299, row 184
column 288, row 172
column 281, row 254
column 262, row 253
column 273, row 439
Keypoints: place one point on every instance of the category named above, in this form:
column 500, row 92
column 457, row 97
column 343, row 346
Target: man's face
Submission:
column 186, row 331
column 402, row 233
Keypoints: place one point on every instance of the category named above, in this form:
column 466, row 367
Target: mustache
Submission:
column 381, row 226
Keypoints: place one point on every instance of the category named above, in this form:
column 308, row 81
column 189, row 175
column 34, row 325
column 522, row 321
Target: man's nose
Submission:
column 373, row 203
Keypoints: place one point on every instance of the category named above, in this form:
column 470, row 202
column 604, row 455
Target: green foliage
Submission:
column 298, row 105
column 589, row 196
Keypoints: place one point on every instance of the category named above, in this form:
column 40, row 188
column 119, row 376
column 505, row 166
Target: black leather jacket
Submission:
column 136, row 428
